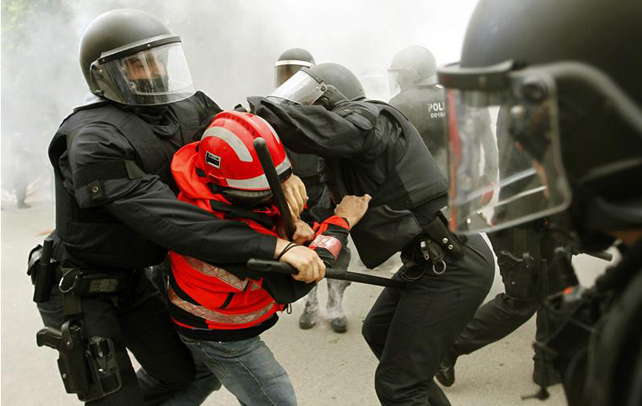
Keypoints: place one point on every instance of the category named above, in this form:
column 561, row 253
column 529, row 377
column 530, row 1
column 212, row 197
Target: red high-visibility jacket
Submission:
column 205, row 298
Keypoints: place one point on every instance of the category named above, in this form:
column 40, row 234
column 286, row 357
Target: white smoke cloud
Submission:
column 231, row 46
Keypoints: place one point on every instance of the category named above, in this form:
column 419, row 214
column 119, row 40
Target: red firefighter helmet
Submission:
column 227, row 156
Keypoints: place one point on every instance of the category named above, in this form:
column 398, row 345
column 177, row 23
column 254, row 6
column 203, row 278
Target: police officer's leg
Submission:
column 150, row 336
column 494, row 321
column 507, row 311
column 430, row 314
column 336, row 289
column 100, row 318
column 377, row 323
column 375, row 332
column 544, row 373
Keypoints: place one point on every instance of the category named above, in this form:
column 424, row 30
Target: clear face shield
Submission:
column 504, row 154
column 284, row 70
column 301, row 88
column 151, row 76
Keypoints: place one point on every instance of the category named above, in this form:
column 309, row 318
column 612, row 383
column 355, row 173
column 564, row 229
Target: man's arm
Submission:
column 342, row 133
column 145, row 204
column 153, row 211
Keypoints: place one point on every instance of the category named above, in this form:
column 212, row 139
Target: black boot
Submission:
column 446, row 373
column 308, row 318
column 550, row 378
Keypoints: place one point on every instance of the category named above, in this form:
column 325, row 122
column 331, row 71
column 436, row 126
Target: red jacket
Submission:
column 205, row 296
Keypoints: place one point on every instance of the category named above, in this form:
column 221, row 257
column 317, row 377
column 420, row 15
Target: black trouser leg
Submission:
column 138, row 321
column 150, row 335
column 504, row 314
column 100, row 318
column 494, row 321
column 411, row 329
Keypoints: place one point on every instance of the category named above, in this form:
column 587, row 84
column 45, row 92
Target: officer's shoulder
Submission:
column 201, row 98
column 361, row 113
column 98, row 139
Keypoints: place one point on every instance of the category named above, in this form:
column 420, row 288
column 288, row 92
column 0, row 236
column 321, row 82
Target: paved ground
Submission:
column 326, row 368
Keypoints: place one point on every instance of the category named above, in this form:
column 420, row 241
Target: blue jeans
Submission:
column 247, row 369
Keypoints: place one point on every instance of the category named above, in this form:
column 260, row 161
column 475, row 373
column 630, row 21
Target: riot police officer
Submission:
column 320, row 205
column 289, row 63
column 520, row 251
column 117, row 212
column 369, row 147
column 415, row 92
column 413, row 87
column 566, row 77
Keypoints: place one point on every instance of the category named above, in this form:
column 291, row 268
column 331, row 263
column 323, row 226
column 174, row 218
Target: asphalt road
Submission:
column 326, row 368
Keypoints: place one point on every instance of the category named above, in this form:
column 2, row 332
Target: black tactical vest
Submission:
column 425, row 108
column 91, row 236
column 415, row 185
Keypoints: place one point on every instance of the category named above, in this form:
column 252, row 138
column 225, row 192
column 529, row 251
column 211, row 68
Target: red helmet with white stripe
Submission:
column 227, row 156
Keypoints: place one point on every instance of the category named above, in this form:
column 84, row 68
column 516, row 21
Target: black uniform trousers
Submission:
column 505, row 313
column 136, row 319
column 410, row 329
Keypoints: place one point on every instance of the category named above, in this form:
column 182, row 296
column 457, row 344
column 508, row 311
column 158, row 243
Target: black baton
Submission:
column 285, row 268
column 275, row 185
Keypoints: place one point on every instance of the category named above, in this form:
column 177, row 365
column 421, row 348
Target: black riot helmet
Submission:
column 412, row 67
column 561, row 81
column 289, row 63
column 130, row 57
column 326, row 84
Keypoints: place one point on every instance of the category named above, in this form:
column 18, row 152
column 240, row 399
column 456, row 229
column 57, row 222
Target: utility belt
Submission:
column 430, row 249
column 87, row 365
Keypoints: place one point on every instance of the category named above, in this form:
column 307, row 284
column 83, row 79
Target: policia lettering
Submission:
column 437, row 110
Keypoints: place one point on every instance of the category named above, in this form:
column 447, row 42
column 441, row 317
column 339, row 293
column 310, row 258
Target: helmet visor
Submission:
column 158, row 75
column 301, row 88
column 284, row 70
column 504, row 155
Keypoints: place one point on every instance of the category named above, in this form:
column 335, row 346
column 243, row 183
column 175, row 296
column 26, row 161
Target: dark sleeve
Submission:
column 145, row 204
column 210, row 108
column 330, row 238
column 341, row 133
